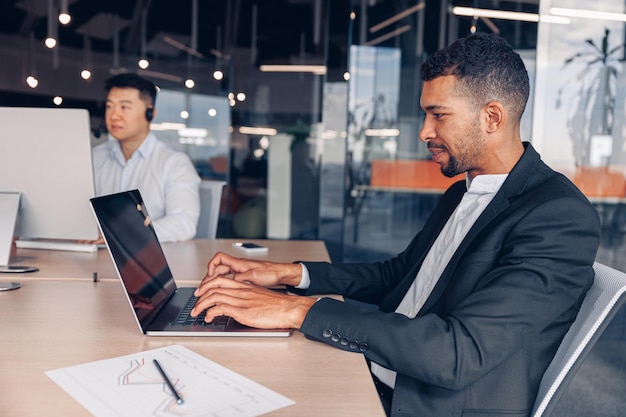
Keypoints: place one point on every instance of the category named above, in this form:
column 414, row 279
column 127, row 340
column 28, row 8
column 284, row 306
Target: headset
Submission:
column 149, row 113
column 98, row 131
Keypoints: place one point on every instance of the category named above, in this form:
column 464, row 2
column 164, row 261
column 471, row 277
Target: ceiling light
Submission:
column 167, row 126
column 212, row 112
column 218, row 75
column 143, row 63
column 495, row 14
column 189, row 83
column 184, row 114
column 263, row 131
column 58, row 100
column 50, row 42
column 315, row 69
column 506, row 15
column 32, row 81
column 546, row 18
column 64, row 18
column 346, row 75
column 64, row 15
column 382, row 132
column 588, row 14
column 86, row 72
column 241, row 96
column 193, row 132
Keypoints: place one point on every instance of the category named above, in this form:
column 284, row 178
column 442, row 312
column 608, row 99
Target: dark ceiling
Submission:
column 284, row 27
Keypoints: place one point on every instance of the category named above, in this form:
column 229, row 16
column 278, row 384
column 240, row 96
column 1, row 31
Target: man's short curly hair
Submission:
column 487, row 69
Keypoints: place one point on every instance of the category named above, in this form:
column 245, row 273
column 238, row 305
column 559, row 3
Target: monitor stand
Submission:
column 9, row 208
column 8, row 286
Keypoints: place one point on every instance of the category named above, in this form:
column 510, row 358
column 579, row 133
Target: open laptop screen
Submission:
column 136, row 251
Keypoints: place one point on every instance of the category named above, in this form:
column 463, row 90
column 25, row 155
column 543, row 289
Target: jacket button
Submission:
column 354, row 344
column 327, row 333
column 344, row 341
column 363, row 347
column 335, row 337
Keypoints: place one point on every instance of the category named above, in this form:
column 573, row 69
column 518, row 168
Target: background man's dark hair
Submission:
column 487, row 68
column 147, row 89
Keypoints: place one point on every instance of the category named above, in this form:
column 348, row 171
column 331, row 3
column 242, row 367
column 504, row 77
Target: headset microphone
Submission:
column 97, row 132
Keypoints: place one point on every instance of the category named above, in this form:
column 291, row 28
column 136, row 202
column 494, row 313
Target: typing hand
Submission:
column 262, row 273
column 250, row 304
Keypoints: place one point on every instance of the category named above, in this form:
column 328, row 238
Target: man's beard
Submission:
column 452, row 168
column 466, row 156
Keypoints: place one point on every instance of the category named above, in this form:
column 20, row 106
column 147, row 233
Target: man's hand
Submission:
column 261, row 273
column 251, row 304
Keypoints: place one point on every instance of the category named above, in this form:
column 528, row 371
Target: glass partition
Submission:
column 579, row 123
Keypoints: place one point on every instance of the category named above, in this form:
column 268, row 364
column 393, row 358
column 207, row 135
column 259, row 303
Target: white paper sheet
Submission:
column 132, row 386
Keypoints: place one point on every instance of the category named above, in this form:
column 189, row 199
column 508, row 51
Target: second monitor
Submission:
column 45, row 154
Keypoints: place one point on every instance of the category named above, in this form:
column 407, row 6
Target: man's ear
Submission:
column 494, row 116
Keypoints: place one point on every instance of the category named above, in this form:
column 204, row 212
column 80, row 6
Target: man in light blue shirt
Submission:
column 135, row 158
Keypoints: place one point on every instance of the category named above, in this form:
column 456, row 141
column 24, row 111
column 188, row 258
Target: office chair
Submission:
column 210, row 202
column 601, row 303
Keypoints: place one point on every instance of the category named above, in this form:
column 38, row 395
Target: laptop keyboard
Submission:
column 184, row 318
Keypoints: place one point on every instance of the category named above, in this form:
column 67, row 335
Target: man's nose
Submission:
column 427, row 132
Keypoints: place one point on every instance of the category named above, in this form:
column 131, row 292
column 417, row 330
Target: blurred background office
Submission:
column 309, row 109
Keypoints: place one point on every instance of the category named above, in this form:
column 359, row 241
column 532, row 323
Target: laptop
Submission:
column 159, row 306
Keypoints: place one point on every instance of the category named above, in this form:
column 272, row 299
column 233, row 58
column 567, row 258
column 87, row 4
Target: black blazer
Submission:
column 483, row 339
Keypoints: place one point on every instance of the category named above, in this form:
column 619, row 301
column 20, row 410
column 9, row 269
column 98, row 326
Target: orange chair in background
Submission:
column 413, row 174
column 600, row 182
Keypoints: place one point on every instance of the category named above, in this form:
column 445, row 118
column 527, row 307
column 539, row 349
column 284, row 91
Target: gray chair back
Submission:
column 601, row 303
column 210, row 202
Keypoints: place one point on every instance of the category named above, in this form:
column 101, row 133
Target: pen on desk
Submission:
column 179, row 399
column 95, row 277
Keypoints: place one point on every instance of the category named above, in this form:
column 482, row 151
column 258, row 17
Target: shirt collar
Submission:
column 485, row 184
column 144, row 150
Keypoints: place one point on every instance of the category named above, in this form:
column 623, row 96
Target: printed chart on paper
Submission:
column 132, row 386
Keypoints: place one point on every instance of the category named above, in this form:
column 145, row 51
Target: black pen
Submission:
column 179, row 399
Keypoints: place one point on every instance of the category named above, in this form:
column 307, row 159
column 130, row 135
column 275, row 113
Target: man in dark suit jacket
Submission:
column 471, row 313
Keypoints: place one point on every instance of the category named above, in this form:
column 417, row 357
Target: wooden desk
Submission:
column 41, row 331
column 187, row 260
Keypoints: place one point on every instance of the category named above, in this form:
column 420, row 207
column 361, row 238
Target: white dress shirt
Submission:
column 166, row 179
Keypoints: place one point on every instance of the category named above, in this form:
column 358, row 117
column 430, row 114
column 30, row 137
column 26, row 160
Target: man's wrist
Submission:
column 305, row 279
column 305, row 304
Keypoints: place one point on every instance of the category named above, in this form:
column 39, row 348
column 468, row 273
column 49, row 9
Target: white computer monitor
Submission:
column 45, row 155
